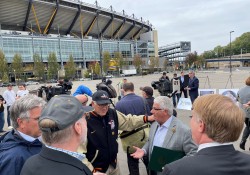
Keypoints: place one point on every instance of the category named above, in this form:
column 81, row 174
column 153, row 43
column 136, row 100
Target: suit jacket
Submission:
column 52, row 162
column 178, row 138
column 193, row 84
column 184, row 83
column 218, row 160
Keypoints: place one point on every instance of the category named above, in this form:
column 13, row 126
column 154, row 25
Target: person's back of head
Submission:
column 60, row 122
column 129, row 86
column 247, row 82
column 222, row 120
column 148, row 91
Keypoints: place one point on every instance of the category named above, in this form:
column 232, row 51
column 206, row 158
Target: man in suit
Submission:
column 64, row 128
column 216, row 123
column 193, row 86
column 167, row 132
column 184, row 79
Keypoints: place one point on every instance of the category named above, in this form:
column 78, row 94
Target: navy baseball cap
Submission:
column 101, row 97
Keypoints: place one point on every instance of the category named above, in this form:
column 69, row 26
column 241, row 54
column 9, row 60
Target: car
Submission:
column 109, row 76
column 3, row 84
column 31, row 83
column 6, row 84
column 52, row 81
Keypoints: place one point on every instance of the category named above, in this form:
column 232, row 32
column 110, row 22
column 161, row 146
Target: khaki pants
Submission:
column 113, row 171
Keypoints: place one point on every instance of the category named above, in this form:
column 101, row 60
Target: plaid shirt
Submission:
column 79, row 156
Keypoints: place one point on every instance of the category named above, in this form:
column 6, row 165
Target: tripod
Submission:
column 230, row 80
column 207, row 82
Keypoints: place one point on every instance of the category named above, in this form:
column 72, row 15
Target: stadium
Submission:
column 72, row 27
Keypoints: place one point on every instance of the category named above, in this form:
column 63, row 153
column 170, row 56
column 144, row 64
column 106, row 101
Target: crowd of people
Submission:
column 77, row 134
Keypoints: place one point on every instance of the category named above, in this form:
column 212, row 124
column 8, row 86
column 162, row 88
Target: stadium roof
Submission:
column 72, row 17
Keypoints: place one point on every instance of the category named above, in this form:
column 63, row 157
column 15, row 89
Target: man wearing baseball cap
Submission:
column 103, row 124
column 63, row 127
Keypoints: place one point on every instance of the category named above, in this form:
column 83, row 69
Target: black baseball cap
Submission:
column 64, row 110
column 101, row 97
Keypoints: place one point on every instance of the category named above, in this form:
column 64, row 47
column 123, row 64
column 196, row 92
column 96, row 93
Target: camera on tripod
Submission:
column 164, row 86
column 47, row 92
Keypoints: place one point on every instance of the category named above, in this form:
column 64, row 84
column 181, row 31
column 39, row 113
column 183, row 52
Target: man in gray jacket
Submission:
column 167, row 132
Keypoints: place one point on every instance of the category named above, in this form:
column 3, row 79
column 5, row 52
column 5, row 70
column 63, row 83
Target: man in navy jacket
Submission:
column 23, row 141
column 193, row 86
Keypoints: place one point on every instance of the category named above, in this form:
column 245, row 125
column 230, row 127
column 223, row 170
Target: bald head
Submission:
column 83, row 99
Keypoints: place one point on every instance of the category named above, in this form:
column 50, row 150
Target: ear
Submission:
column 20, row 122
column 201, row 128
column 78, row 128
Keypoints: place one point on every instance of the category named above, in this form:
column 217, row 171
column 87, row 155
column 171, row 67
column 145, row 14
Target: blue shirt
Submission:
column 161, row 133
column 83, row 90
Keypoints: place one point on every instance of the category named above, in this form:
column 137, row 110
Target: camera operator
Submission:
column 165, row 85
column 66, row 86
column 164, row 76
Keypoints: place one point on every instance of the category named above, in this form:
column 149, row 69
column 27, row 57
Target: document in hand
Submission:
column 162, row 156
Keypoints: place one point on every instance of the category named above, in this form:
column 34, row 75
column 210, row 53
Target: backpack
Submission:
column 167, row 86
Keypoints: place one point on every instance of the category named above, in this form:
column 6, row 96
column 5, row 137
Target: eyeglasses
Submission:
column 103, row 105
column 84, row 103
column 157, row 109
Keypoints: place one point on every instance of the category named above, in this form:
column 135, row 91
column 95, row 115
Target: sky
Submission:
column 206, row 23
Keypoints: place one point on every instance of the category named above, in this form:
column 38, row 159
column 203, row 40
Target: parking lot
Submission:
column 210, row 79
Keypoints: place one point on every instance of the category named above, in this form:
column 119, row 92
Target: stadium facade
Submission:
column 68, row 27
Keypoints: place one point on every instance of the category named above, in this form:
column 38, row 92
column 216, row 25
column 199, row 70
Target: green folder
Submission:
column 162, row 156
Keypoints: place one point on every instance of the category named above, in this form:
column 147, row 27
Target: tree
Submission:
column 137, row 62
column 70, row 68
column 53, row 66
column 39, row 68
column 17, row 66
column 105, row 61
column 3, row 65
column 157, row 62
column 119, row 59
column 165, row 64
column 97, row 69
column 200, row 61
column 191, row 59
column 151, row 64
column 5, row 77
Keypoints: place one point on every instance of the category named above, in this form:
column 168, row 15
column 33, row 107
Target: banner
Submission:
column 184, row 103
column 206, row 91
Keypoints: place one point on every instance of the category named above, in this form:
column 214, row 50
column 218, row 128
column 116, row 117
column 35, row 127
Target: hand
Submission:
column 246, row 105
column 138, row 154
column 151, row 118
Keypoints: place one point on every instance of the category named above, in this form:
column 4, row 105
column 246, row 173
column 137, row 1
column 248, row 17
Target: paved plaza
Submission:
column 208, row 79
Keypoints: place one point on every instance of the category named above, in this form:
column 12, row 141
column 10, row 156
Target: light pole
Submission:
column 99, row 40
column 230, row 64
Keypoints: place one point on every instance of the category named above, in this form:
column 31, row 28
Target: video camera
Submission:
column 164, row 86
column 156, row 84
column 47, row 92
column 106, row 86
